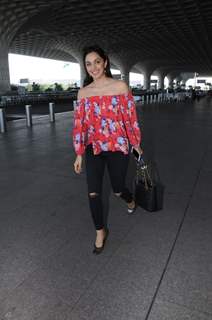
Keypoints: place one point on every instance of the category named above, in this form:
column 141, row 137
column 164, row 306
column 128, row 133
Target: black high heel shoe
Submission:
column 98, row 250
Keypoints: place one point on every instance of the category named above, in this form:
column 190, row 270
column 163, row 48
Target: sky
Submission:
column 41, row 70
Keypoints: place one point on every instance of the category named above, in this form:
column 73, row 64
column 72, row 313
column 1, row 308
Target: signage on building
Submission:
column 24, row 80
column 200, row 81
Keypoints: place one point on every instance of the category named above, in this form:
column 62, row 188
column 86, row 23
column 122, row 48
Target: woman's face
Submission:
column 95, row 65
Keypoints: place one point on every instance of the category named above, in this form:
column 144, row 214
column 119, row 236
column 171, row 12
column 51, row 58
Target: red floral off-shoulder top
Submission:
column 108, row 122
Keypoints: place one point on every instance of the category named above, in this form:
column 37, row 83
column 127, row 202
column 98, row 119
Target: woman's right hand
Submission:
column 78, row 164
column 139, row 150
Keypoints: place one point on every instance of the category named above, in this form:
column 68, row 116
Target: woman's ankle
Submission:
column 100, row 234
column 131, row 204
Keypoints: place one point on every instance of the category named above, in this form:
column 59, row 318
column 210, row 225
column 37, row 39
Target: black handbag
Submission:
column 149, row 191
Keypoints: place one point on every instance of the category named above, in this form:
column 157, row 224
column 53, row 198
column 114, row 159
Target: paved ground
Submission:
column 155, row 266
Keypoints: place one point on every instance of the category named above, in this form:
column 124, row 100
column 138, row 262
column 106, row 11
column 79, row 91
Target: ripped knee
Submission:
column 93, row 194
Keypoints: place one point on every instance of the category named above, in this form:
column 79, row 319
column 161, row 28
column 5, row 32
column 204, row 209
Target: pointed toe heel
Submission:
column 98, row 250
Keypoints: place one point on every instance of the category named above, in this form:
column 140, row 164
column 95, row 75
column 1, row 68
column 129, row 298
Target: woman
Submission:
column 105, row 123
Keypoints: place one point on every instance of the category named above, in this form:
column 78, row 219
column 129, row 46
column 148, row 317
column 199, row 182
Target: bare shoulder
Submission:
column 85, row 91
column 121, row 86
column 81, row 93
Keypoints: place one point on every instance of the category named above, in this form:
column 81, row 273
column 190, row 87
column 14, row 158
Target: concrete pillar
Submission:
column 178, row 80
column 161, row 78
column 186, row 76
column 172, row 76
column 125, row 75
column 171, row 80
column 4, row 69
column 126, row 78
column 147, row 76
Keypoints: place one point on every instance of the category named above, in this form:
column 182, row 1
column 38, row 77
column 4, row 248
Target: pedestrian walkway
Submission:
column 155, row 266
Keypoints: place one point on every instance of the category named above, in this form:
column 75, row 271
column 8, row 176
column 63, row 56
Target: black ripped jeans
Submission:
column 117, row 164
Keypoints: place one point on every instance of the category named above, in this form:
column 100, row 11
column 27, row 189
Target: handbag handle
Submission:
column 142, row 169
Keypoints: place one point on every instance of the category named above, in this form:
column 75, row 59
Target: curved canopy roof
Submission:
column 173, row 34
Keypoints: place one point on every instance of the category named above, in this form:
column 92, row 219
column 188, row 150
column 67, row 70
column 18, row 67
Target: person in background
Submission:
column 105, row 125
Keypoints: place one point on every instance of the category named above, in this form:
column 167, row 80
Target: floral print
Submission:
column 108, row 122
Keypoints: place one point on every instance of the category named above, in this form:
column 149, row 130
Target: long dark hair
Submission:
column 88, row 79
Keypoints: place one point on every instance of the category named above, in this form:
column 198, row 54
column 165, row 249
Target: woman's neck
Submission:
column 99, row 83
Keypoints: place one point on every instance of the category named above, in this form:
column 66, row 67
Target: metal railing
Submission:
column 36, row 98
column 148, row 98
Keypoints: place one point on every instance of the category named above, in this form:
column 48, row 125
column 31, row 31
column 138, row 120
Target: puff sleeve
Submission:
column 129, row 116
column 79, row 128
